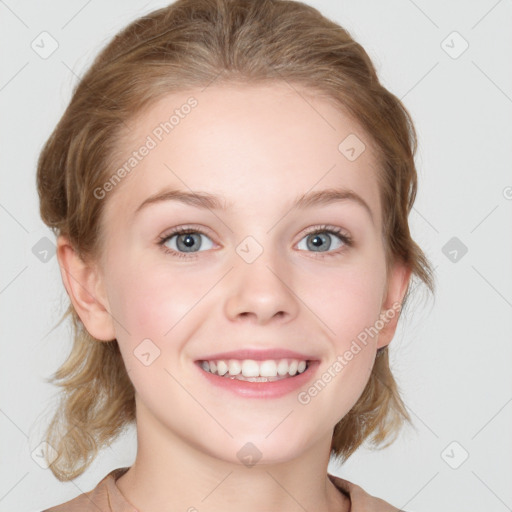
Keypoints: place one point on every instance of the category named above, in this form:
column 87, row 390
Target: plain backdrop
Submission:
column 450, row 63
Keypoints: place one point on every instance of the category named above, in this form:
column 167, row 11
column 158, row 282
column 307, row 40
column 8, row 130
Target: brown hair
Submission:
column 190, row 44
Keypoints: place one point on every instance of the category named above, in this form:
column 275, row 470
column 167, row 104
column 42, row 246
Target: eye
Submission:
column 185, row 242
column 181, row 241
column 323, row 238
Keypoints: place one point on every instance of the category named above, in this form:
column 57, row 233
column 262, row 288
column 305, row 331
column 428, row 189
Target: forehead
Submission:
column 245, row 143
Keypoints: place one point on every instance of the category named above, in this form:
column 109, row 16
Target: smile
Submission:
column 258, row 379
column 255, row 371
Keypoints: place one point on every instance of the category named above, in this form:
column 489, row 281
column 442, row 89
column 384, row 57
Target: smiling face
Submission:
column 282, row 250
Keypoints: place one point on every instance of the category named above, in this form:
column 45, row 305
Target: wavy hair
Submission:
column 188, row 44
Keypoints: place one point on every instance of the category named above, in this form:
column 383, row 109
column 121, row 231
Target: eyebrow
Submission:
column 209, row 201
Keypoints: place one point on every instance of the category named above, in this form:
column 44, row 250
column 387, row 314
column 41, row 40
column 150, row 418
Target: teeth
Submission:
column 268, row 369
column 282, row 367
column 292, row 370
column 251, row 369
column 222, row 368
column 233, row 367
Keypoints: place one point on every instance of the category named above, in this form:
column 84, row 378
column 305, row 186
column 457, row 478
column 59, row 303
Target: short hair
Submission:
column 189, row 44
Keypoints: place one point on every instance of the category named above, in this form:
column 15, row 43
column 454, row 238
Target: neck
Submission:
column 171, row 474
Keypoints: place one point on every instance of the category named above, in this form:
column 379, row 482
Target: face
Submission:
column 268, row 263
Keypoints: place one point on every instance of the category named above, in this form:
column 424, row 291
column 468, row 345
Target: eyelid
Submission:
column 341, row 233
column 184, row 229
column 326, row 227
column 176, row 231
column 345, row 237
column 205, row 231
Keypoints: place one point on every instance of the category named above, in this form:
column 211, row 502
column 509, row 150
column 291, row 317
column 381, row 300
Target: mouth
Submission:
column 259, row 378
column 251, row 370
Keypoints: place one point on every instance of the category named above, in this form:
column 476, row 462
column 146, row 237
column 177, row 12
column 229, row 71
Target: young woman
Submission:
column 230, row 189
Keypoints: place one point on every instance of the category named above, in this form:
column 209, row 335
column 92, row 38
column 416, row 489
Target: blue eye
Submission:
column 186, row 241
column 322, row 239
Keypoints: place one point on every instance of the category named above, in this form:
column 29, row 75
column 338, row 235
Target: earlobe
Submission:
column 397, row 287
column 84, row 286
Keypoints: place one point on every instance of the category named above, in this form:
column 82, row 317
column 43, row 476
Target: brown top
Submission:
column 106, row 497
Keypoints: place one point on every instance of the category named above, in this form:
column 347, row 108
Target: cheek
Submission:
column 151, row 306
column 148, row 300
column 348, row 300
column 349, row 305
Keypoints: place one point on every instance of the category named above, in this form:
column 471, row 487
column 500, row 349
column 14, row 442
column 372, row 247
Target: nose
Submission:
column 261, row 292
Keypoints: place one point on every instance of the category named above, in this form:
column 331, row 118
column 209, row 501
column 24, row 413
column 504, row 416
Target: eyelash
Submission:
column 342, row 235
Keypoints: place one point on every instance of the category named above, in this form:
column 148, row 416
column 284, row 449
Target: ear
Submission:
column 85, row 289
column 398, row 281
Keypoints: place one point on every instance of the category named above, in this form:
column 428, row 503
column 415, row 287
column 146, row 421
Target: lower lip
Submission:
column 274, row 389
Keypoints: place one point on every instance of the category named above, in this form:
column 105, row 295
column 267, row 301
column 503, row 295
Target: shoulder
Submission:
column 96, row 500
column 100, row 498
column 360, row 500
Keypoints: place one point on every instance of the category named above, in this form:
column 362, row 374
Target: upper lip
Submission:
column 258, row 355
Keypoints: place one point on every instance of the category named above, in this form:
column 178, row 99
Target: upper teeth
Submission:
column 252, row 368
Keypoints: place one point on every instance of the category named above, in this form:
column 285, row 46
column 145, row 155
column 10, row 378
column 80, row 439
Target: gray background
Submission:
column 451, row 356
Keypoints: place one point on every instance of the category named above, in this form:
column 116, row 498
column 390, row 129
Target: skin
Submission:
column 259, row 148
